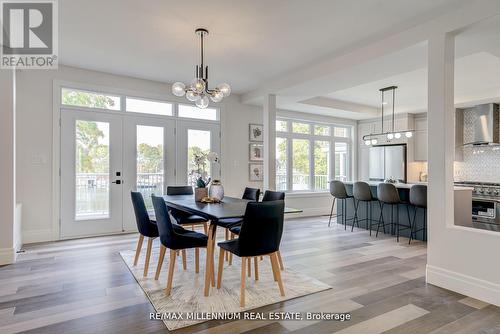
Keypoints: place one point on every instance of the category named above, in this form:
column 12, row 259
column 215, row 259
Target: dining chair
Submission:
column 269, row 195
column 182, row 217
column 260, row 235
column 147, row 228
column 174, row 240
column 251, row 194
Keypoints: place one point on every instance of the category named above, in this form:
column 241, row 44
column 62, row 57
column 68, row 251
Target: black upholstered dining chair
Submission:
column 251, row 194
column 269, row 196
column 182, row 217
column 260, row 235
column 146, row 227
column 179, row 239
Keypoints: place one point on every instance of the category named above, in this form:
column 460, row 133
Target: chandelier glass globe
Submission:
column 225, row 89
column 408, row 134
column 390, row 136
column 202, row 102
column 178, row 89
column 198, row 85
column 217, row 96
column 397, row 135
column 192, row 96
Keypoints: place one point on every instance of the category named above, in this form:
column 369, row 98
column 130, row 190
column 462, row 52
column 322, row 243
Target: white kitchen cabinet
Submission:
column 420, row 140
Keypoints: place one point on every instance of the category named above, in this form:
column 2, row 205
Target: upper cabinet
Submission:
column 420, row 139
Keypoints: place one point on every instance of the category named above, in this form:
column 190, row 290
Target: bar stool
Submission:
column 418, row 199
column 362, row 193
column 388, row 194
column 338, row 191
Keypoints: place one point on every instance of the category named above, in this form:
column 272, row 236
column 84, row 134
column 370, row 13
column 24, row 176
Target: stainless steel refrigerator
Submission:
column 388, row 162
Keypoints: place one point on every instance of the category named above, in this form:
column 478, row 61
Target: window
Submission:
column 341, row 161
column 300, row 164
column 301, row 128
column 148, row 106
column 321, row 130
column 321, row 164
column 198, row 146
column 281, row 163
column 195, row 112
column 311, row 154
column 80, row 98
column 281, row 126
column 149, row 162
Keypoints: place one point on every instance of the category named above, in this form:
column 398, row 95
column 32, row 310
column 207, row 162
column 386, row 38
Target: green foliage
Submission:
column 200, row 183
column 149, row 158
column 92, row 157
column 85, row 99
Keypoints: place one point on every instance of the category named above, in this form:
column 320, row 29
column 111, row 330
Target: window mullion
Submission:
column 311, row 164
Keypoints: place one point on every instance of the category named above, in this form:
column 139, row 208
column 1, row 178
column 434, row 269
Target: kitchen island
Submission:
column 462, row 194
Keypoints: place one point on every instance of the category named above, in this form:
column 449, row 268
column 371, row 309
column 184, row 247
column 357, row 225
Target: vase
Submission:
column 200, row 193
column 216, row 190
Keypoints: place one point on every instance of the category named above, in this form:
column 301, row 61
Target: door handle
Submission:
column 117, row 182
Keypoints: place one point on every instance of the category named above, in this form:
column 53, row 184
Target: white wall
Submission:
column 35, row 151
column 7, row 166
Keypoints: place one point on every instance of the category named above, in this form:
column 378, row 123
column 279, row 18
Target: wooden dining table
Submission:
column 230, row 207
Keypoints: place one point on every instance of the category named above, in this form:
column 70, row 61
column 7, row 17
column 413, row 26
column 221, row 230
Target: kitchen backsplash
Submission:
column 480, row 164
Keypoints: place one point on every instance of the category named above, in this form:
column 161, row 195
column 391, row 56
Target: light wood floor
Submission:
column 83, row 286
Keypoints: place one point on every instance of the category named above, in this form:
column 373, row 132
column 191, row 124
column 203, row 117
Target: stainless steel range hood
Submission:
column 485, row 125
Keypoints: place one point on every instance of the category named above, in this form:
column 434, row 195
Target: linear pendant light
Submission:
column 373, row 138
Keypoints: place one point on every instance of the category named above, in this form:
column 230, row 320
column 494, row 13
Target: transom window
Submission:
column 81, row 98
column 309, row 155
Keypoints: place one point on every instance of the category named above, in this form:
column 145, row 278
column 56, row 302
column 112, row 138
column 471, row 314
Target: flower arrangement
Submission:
column 199, row 174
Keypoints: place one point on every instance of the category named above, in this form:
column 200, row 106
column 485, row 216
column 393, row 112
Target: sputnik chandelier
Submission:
column 198, row 91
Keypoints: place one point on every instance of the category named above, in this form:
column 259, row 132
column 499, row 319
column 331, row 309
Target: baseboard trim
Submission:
column 41, row 235
column 7, row 256
column 464, row 284
column 310, row 212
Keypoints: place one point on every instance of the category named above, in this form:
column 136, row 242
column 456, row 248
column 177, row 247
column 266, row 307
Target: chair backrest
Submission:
column 388, row 193
column 418, row 195
column 337, row 189
column 362, row 191
column 179, row 190
column 165, row 229
column 262, row 228
column 270, row 195
column 144, row 224
column 251, row 194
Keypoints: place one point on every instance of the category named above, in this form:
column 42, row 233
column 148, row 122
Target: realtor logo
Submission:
column 29, row 34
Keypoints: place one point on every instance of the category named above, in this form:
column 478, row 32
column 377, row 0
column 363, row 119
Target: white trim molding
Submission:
column 464, row 284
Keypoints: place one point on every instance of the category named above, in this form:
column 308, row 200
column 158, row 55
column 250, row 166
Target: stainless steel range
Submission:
column 485, row 201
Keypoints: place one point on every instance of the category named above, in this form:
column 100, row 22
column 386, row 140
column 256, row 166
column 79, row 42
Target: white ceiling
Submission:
column 250, row 41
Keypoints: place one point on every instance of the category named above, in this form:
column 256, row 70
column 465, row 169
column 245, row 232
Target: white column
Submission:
column 7, row 166
column 441, row 133
column 269, row 116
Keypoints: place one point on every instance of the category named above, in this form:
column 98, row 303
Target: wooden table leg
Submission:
column 210, row 258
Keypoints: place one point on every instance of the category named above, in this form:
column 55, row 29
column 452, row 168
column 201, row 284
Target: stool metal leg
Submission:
column 331, row 212
column 411, row 224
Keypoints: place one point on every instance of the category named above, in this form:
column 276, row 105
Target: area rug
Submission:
column 187, row 290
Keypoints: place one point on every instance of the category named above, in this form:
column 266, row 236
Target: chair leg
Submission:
column 138, row 249
column 148, row 256
column 227, row 238
column 197, row 259
column 171, row 266
column 274, row 269
column 163, row 249
column 380, row 219
column 256, row 268
column 261, row 258
column 249, row 265
column 221, row 266
column 331, row 212
column 205, row 227
column 243, row 281
column 398, row 225
column 343, row 213
column 355, row 219
column 282, row 267
column 184, row 264
column 274, row 261
column 409, row 222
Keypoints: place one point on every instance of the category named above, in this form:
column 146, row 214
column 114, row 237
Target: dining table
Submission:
column 229, row 207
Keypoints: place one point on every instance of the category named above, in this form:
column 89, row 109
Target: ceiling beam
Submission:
column 299, row 82
column 326, row 102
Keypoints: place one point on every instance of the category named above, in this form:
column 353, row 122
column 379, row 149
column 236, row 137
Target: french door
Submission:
column 105, row 156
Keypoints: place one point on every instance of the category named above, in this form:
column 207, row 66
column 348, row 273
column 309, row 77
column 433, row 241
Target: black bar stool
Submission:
column 418, row 199
column 362, row 193
column 388, row 194
column 338, row 191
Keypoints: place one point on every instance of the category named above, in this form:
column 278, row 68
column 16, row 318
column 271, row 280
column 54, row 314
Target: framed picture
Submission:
column 256, row 152
column 256, row 172
column 256, row 132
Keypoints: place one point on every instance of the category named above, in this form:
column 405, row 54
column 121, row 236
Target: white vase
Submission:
column 216, row 190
